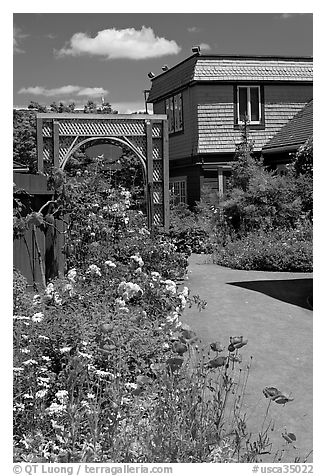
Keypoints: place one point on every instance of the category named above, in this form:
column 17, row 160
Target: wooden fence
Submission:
column 50, row 241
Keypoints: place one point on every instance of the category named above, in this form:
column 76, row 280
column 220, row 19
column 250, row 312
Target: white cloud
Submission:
column 286, row 16
column 204, row 47
column 193, row 29
column 126, row 43
column 130, row 107
column 63, row 90
column 18, row 35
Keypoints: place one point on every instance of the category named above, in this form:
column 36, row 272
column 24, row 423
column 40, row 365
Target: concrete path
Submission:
column 270, row 309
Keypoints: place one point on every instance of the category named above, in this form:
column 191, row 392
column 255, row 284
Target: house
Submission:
column 206, row 98
column 284, row 144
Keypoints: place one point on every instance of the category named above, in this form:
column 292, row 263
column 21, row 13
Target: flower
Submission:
column 41, row 393
column 110, row 264
column 155, row 276
column 137, row 259
column 129, row 290
column 55, row 408
column 38, row 317
column 29, row 362
column 43, row 337
column 22, row 318
column 94, row 270
column 62, row 396
column 91, row 396
column 72, row 273
column 37, row 300
column 64, row 350
column 170, row 286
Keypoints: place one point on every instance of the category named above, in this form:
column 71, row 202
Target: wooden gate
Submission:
column 60, row 135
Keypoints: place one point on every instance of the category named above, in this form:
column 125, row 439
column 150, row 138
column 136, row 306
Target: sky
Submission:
column 80, row 56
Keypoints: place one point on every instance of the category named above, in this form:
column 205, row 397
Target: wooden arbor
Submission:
column 60, row 135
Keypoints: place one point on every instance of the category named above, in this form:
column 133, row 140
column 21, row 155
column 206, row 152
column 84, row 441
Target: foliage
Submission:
column 96, row 380
column 274, row 250
column 303, row 160
column 188, row 230
column 24, row 135
column 104, row 368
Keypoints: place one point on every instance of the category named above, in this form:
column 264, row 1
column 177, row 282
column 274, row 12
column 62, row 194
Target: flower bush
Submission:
column 104, row 368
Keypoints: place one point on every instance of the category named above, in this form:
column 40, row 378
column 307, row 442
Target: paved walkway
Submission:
column 271, row 311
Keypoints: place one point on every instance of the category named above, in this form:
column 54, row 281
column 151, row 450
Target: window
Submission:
column 173, row 108
column 249, row 104
column 178, row 190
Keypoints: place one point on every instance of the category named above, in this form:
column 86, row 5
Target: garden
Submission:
column 263, row 222
column 105, row 369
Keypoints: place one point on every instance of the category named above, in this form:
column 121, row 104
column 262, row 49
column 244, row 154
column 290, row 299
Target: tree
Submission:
column 24, row 139
column 106, row 108
column 90, row 107
column 33, row 105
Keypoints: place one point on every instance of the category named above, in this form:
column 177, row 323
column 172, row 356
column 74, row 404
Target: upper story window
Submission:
column 173, row 108
column 249, row 104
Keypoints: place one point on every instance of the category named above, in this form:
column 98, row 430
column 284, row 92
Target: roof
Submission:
column 232, row 68
column 294, row 133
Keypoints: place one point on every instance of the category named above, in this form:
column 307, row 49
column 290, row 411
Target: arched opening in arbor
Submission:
column 117, row 162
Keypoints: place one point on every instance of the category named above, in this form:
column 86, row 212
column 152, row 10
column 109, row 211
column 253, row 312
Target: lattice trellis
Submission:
column 60, row 135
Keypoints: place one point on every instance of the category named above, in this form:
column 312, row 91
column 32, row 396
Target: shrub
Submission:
column 276, row 250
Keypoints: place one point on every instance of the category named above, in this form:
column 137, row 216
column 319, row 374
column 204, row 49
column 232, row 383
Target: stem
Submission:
column 40, row 259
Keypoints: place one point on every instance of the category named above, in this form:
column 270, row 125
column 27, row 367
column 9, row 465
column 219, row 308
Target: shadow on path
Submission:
column 292, row 291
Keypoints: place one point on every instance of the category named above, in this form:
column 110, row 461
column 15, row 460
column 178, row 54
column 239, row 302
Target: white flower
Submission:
column 37, row 300
column 62, row 396
column 155, row 276
column 103, row 373
column 19, row 406
column 55, row 426
column 129, row 290
column 94, row 270
column 49, row 290
column 91, row 396
column 87, row 356
column 165, row 346
column 43, row 337
column 120, row 302
column 55, row 408
column 43, row 380
column 22, row 318
column 38, row 317
column 41, row 393
column 183, row 301
column 46, row 358
column 64, row 350
column 72, row 273
column 57, row 299
column 110, row 264
column 25, row 351
column 28, row 397
column 29, row 362
column 170, row 286
column 185, row 291
column 137, row 259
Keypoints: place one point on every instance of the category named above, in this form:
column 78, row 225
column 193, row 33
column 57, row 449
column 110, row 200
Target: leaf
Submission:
column 217, row 362
column 281, row 399
column 34, row 218
column 271, row 392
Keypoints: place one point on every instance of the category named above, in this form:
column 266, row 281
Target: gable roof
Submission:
column 294, row 133
column 231, row 68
